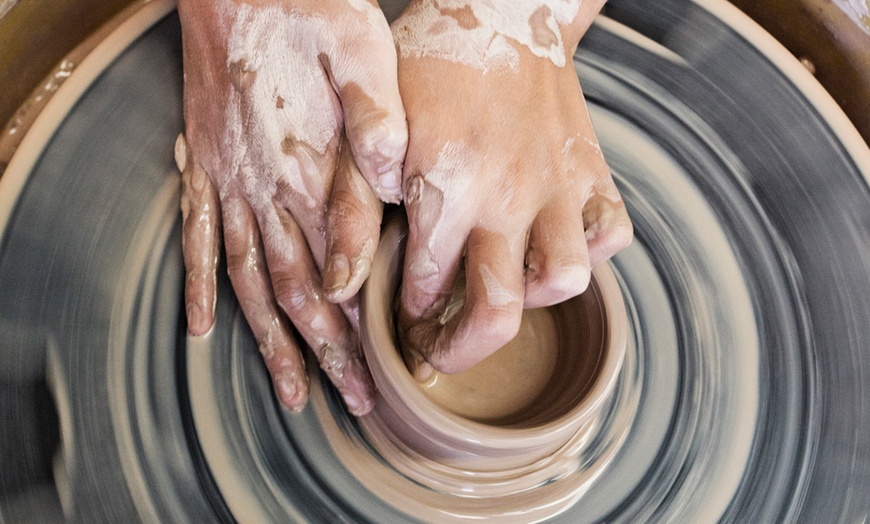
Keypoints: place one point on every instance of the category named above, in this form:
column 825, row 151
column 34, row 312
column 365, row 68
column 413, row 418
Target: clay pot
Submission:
column 534, row 430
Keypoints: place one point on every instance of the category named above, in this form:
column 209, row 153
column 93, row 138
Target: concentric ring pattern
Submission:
column 747, row 383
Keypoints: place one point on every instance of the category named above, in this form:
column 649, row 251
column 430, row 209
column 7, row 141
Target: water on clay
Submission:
column 748, row 290
column 507, row 380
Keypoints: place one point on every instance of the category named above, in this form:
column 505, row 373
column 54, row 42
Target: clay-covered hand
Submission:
column 272, row 88
column 504, row 175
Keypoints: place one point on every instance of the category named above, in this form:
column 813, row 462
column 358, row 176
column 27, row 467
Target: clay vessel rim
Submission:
column 417, row 404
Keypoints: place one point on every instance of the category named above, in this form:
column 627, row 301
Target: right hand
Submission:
column 287, row 103
column 504, row 176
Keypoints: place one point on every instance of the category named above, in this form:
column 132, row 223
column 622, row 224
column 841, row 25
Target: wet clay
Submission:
column 518, row 420
column 508, row 380
column 512, row 380
column 482, row 34
column 553, row 361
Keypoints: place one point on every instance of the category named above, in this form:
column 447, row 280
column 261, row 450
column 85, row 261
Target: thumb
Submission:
column 365, row 77
column 353, row 225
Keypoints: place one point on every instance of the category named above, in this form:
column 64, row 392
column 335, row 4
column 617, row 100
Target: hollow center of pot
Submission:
column 506, row 381
column 545, row 371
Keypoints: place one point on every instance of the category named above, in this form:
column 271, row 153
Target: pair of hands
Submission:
column 298, row 115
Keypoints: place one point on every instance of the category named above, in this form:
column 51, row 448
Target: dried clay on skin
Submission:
column 479, row 34
column 425, row 194
column 496, row 294
column 282, row 117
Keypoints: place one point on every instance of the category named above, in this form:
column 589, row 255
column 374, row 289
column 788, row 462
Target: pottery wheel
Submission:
column 748, row 291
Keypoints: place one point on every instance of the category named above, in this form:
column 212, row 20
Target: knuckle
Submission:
column 236, row 268
column 370, row 131
column 335, row 361
column 615, row 238
column 623, row 235
column 243, row 264
column 447, row 365
column 496, row 325
column 563, row 281
column 488, row 329
column 381, row 149
column 198, row 277
column 292, row 294
column 346, row 208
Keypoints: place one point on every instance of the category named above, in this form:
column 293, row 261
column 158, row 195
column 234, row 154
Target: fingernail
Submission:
column 288, row 393
column 389, row 188
column 420, row 369
column 392, row 179
column 424, row 372
column 194, row 319
column 181, row 152
column 356, row 406
column 361, row 266
column 337, row 274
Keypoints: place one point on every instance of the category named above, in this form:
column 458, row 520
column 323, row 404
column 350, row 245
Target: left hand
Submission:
column 287, row 103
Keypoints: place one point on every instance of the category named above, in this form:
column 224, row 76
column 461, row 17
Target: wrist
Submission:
column 493, row 34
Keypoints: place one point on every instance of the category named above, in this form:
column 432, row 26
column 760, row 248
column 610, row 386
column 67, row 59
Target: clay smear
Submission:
column 431, row 199
column 282, row 116
column 483, row 34
column 496, row 294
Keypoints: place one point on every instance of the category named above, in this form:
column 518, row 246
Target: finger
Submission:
column 353, row 224
column 200, row 240
column 432, row 256
column 490, row 315
column 557, row 260
column 436, row 239
column 374, row 114
column 605, row 220
column 250, row 278
column 303, row 178
column 350, row 308
column 296, row 284
column 607, row 224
